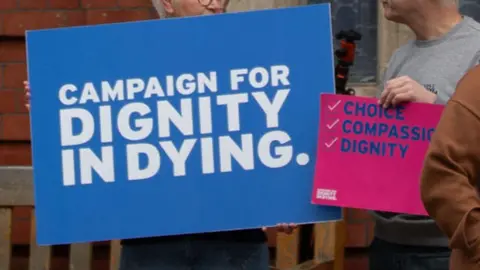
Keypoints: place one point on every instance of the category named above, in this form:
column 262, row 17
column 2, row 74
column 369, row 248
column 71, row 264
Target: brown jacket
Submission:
column 451, row 173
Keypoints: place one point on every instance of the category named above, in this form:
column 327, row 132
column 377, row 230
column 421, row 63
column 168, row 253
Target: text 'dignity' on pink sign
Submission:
column 371, row 158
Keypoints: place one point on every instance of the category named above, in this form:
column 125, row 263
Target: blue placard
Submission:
column 178, row 126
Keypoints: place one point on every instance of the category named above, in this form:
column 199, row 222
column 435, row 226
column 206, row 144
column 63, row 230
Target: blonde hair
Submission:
column 160, row 8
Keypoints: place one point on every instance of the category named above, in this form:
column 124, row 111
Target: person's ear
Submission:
column 168, row 6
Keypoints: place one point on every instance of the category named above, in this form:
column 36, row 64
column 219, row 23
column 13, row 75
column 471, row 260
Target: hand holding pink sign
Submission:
column 370, row 157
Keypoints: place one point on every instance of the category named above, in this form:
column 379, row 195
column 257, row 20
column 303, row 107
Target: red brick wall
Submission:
column 16, row 16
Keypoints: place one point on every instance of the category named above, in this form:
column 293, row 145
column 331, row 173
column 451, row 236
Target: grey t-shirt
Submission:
column 438, row 65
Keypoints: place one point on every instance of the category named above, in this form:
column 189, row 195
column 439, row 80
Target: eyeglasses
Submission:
column 205, row 3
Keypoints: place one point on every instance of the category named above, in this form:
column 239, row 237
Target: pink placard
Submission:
column 369, row 157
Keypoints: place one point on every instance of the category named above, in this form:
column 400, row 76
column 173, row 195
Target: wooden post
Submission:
column 287, row 249
column 5, row 243
column 39, row 255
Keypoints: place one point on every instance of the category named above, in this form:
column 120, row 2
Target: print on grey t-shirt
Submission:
column 438, row 65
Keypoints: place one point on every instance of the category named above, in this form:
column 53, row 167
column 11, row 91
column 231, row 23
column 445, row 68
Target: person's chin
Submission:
column 390, row 16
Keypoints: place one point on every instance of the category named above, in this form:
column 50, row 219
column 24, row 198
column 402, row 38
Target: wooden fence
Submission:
column 311, row 247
